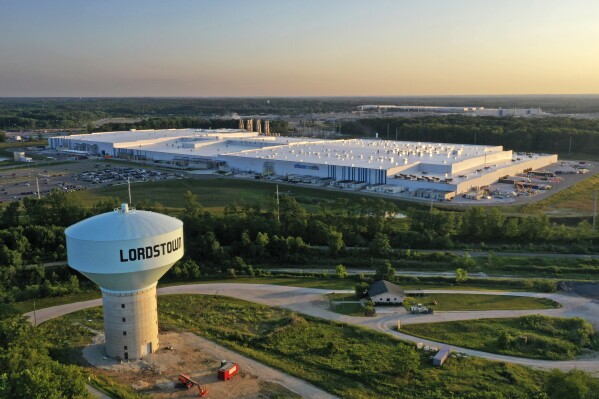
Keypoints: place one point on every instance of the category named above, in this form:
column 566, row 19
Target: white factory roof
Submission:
column 121, row 226
column 363, row 153
column 142, row 135
column 212, row 148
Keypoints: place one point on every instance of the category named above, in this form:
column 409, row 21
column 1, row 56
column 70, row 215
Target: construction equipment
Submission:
column 188, row 383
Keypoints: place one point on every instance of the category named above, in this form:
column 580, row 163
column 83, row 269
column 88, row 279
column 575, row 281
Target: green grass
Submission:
column 342, row 297
column 41, row 303
column 304, row 282
column 215, row 193
column 537, row 337
column 20, row 144
column 579, row 197
column 345, row 360
column 113, row 389
column 350, row 308
column 461, row 302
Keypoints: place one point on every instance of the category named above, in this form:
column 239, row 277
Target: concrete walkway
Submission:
column 311, row 301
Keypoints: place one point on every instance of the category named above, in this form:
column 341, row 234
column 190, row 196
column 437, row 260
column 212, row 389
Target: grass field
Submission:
column 306, row 282
column 40, row 303
column 333, row 356
column 350, row 308
column 214, row 193
column 537, row 337
column 460, row 302
column 579, row 197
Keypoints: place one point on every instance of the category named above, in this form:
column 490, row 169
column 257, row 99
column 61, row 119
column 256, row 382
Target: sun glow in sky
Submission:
column 297, row 47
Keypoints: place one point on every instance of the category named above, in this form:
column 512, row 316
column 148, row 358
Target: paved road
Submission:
column 96, row 393
column 476, row 254
column 310, row 301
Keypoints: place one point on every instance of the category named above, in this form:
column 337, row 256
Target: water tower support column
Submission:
column 130, row 322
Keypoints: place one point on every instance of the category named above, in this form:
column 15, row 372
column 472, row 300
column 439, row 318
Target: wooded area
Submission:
column 544, row 135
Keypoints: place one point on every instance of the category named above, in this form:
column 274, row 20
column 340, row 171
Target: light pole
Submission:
column 595, row 211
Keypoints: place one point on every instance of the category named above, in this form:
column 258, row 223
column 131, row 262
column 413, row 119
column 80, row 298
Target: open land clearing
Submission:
column 334, row 356
column 455, row 302
column 573, row 197
column 312, row 302
column 534, row 336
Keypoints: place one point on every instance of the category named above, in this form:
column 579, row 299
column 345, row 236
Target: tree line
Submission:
column 247, row 237
column 559, row 135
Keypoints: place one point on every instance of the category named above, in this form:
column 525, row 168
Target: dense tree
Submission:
column 335, row 242
column 550, row 135
column 361, row 289
column 26, row 369
column 10, row 215
column 380, row 245
column 461, row 275
column 340, row 271
column 385, row 272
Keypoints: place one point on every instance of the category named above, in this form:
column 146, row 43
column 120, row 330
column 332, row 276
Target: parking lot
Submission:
column 17, row 184
column 565, row 177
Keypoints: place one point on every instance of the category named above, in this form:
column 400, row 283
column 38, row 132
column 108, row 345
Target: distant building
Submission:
column 384, row 292
column 435, row 171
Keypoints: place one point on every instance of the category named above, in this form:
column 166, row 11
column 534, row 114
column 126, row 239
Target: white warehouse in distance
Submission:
column 377, row 165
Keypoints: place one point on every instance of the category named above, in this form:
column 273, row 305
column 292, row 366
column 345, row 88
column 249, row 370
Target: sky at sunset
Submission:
column 297, row 48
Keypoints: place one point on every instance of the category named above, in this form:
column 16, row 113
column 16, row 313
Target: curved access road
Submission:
column 310, row 301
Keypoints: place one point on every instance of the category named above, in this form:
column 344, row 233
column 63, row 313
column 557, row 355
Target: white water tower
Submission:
column 125, row 252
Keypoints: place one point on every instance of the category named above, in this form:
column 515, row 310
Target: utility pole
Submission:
column 431, row 211
column 595, row 211
column 37, row 184
column 278, row 209
column 129, row 189
column 570, row 147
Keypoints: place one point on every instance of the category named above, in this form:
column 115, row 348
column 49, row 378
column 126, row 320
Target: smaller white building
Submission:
column 383, row 292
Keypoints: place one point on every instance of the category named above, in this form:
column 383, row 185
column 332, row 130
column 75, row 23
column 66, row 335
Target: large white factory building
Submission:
column 376, row 165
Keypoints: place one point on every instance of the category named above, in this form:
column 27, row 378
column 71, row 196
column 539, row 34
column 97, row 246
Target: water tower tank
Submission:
column 125, row 252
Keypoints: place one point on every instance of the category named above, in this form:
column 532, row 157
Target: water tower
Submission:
column 125, row 252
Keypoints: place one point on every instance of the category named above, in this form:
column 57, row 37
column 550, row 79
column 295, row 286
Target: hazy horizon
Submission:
column 203, row 49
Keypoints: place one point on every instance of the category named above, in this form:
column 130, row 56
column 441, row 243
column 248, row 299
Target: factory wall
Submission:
column 284, row 168
column 492, row 176
column 414, row 184
column 93, row 147
column 482, row 160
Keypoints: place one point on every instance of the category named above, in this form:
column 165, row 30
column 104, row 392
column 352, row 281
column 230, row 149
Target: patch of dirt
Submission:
column 156, row 374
